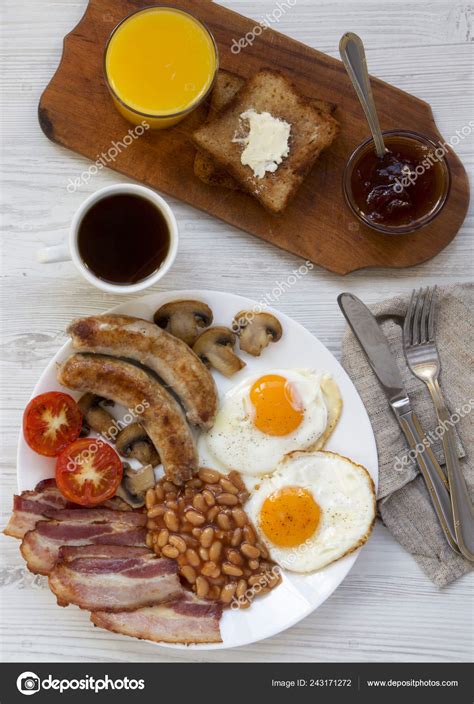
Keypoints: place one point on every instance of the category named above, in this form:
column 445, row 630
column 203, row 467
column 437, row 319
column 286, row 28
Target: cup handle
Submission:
column 56, row 253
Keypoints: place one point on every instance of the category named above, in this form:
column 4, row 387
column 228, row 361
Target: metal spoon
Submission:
column 352, row 54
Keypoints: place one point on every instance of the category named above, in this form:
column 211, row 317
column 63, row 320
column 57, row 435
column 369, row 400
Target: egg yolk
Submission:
column 277, row 409
column 289, row 516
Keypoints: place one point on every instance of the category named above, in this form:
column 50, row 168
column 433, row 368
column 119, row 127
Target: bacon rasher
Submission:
column 113, row 578
column 40, row 547
column 29, row 507
column 188, row 620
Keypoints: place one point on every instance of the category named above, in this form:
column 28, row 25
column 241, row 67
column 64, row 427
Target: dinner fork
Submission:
column 423, row 360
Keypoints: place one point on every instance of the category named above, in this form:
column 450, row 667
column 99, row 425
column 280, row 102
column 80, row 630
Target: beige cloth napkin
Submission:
column 403, row 501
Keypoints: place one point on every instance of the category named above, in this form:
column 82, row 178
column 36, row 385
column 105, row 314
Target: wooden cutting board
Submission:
column 76, row 111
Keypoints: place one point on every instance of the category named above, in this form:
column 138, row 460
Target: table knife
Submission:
column 372, row 339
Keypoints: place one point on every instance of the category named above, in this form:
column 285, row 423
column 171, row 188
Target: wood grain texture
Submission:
column 76, row 111
column 386, row 609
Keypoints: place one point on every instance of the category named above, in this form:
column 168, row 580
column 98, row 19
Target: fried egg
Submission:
column 268, row 416
column 314, row 509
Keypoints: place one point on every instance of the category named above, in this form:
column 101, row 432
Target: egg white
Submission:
column 236, row 444
column 345, row 494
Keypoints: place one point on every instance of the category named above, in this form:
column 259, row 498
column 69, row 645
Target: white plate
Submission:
column 298, row 595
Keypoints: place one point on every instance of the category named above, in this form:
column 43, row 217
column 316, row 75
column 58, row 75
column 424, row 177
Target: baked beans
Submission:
column 204, row 527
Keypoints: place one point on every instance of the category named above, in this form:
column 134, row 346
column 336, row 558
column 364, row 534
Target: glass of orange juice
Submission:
column 160, row 64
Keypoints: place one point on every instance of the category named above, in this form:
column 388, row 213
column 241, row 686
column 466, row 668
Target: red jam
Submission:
column 403, row 187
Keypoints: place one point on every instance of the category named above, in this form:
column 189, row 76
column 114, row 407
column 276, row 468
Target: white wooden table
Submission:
column 386, row 610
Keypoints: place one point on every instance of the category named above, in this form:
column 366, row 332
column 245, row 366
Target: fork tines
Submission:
column 422, row 306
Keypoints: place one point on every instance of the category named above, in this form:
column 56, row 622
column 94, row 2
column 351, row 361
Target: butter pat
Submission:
column 266, row 144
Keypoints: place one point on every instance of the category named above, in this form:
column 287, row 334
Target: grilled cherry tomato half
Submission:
column 88, row 472
column 51, row 422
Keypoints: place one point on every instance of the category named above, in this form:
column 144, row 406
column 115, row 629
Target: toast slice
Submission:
column 226, row 87
column 312, row 130
column 205, row 168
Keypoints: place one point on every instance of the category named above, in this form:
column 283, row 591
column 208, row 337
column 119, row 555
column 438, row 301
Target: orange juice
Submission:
column 160, row 63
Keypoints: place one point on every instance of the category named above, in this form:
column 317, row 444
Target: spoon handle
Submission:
column 352, row 53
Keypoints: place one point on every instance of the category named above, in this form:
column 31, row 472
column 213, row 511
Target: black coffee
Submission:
column 123, row 239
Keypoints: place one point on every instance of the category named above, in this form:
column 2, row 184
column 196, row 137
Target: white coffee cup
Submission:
column 70, row 250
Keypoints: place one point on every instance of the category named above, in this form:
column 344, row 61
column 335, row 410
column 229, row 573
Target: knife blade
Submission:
column 374, row 343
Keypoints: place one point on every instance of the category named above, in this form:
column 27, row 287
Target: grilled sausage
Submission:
column 167, row 356
column 156, row 409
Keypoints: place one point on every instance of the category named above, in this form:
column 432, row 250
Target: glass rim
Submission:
column 171, row 115
column 416, row 224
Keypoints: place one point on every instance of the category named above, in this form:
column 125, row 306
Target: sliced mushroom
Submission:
column 215, row 347
column 135, row 484
column 96, row 417
column 184, row 319
column 256, row 331
column 133, row 441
